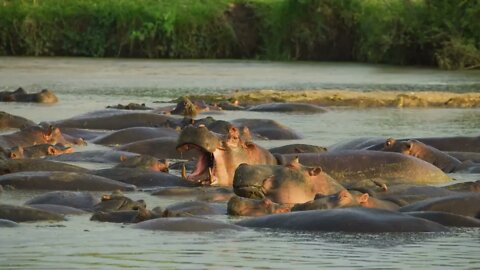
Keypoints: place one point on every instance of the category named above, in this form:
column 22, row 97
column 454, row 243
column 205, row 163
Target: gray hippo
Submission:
column 267, row 128
column 20, row 95
column 39, row 150
column 466, row 204
column 240, row 206
column 186, row 224
column 14, row 121
column 83, row 200
column 194, row 208
column 355, row 220
column 133, row 134
column 352, row 167
column 25, row 213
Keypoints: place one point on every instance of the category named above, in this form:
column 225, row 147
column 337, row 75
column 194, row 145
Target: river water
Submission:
column 84, row 85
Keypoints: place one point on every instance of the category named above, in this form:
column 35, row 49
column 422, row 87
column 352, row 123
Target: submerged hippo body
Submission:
column 14, row 121
column 466, row 204
column 186, row 224
column 25, row 213
column 144, row 178
column 288, row 107
column 157, row 147
column 351, row 167
column 32, row 135
column 297, row 148
column 458, row 143
column 194, row 208
column 425, row 152
column 97, row 156
column 55, row 180
column 76, row 199
column 356, row 219
column 287, row 184
column 220, row 155
column 21, row 165
column 133, row 134
column 59, row 209
column 114, row 120
column 447, row 219
column 267, row 128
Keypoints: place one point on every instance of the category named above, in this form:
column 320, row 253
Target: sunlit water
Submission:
column 84, row 85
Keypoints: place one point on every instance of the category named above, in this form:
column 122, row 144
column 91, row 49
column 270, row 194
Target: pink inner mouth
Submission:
column 205, row 162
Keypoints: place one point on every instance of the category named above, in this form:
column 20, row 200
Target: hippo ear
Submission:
column 267, row 202
column 343, row 195
column 363, row 199
column 409, row 145
column 123, row 158
column 389, row 142
column 267, row 183
column 51, row 150
column 294, row 163
column 314, row 171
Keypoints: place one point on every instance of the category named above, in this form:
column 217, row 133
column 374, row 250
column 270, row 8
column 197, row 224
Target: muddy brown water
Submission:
column 88, row 84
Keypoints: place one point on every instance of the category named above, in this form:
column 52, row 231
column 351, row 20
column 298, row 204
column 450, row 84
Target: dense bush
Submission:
column 445, row 33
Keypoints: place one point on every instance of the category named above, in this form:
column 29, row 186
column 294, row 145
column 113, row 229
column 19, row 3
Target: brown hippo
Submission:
column 240, row 206
column 352, row 219
column 14, row 121
column 353, row 167
column 143, row 162
column 114, row 120
column 186, row 107
column 287, row 184
column 56, row 180
column 345, row 198
column 33, row 135
column 20, row 95
column 25, row 213
column 133, row 134
column 186, row 224
column 267, row 128
column 130, row 106
column 125, row 216
column 39, row 150
column 76, row 199
column 425, row 152
column 288, row 108
column 118, row 201
column 219, row 156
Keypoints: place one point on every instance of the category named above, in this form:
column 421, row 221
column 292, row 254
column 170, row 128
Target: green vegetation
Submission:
column 443, row 33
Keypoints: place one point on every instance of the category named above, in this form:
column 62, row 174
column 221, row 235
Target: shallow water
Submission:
column 85, row 85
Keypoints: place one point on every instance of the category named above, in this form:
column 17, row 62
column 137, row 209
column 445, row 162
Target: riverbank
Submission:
column 444, row 34
column 362, row 99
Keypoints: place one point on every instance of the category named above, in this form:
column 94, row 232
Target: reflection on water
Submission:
column 87, row 85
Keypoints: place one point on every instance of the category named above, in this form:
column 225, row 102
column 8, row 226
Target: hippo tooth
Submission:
column 184, row 171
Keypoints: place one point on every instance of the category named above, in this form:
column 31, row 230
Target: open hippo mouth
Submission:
column 204, row 168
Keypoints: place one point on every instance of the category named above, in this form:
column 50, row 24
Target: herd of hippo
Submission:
column 364, row 185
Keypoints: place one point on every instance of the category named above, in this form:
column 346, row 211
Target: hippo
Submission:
column 125, row 216
column 472, row 186
column 159, row 147
column 186, row 224
column 288, row 108
column 20, row 95
column 466, row 204
column 143, row 162
column 194, row 208
column 351, row 167
column 425, row 152
column 465, row 156
column 56, row 180
column 219, row 156
column 130, row 106
column 21, row 165
column 133, row 134
column 457, row 143
column 85, row 134
column 114, row 120
column 14, row 121
column 59, row 209
column 267, row 128
column 289, row 184
column 117, row 201
column 297, row 148
column 363, row 143
column 447, row 219
column 186, row 107
column 76, row 199
column 96, row 156
column 143, row 178
column 202, row 193
column 412, row 193
column 240, row 206
column 32, row 135
column 352, row 219
column 345, row 198
column 25, row 213
column 39, row 150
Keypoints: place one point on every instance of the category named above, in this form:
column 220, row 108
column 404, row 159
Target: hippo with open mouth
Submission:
column 220, row 155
